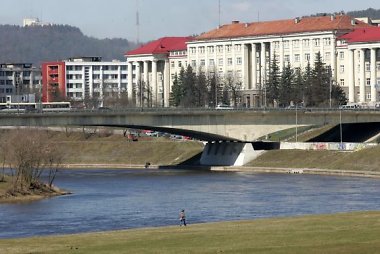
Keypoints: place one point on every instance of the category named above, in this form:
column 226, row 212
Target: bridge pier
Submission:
column 228, row 154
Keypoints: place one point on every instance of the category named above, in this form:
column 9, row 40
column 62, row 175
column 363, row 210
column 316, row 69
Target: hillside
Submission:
column 57, row 42
column 370, row 12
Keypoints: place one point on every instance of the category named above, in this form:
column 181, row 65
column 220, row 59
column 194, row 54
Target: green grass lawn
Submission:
column 339, row 233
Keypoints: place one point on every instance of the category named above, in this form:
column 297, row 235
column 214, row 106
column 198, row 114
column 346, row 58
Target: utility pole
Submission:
column 137, row 23
column 219, row 13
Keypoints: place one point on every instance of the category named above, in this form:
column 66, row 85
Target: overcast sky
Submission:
column 158, row 18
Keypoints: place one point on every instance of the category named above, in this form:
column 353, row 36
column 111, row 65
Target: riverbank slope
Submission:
column 338, row 233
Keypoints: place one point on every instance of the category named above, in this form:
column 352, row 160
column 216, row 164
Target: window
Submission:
column 307, row 57
column 238, row 61
column 368, row 81
column 238, row 74
column 96, row 76
column 229, row 61
column 296, row 43
column 172, row 64
column 193, row 63
column 341, row 55
column 341, row 69
column 306, row 43
column 179, row 64
column 378, row 67
column 193, row 50
column 367, row 67
column 276, row 44
column 316, row 42
column 378, row 81
column 327, row 41
column 210, row 49
column 220, row 49
column 342, row 82
column 202, row 50
column 78, row 68
column 211, row 62
column 96, row 68
column 287, row 58
column 286, row 44
column 297, row 57
column 221, row 62
column 203, row 62
column 238, row 47
column 327, row 56
column 228, row 48
column 368, row 96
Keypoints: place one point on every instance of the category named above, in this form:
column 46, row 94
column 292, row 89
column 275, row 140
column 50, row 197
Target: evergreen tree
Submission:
column 286, row 86
column 201, row 89
column 308, row 80
column 176, row 95
column 298, row 95
column 273, row 82
column 189, row 88
column 320, row 89
column 212, row 90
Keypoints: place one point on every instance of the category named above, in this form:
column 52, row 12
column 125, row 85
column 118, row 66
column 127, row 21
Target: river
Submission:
column 122, row 199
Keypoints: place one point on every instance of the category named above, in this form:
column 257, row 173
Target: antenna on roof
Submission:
column 258, row 16
column 219, row 13
column 137, row 23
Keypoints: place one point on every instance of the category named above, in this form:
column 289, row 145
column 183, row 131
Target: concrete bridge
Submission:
column 214, row 126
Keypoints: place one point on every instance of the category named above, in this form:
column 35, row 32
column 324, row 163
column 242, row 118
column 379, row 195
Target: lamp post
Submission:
column 296, row 124
column 331, row 81
column 340, row 127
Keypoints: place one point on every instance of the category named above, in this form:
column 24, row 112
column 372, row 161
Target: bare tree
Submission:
column 29, row 153
column 233, row 85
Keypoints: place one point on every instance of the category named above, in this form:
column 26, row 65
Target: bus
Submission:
column 23, row 107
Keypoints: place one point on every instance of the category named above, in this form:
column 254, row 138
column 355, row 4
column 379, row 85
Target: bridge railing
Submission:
column 153, row 110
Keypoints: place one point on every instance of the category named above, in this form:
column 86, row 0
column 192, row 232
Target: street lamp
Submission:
column 296, row 125
column 340, row 128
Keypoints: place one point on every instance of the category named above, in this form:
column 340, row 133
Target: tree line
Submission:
column 205, row 89
column 312, row 87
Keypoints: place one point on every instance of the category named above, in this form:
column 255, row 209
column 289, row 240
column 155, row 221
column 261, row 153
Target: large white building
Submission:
column 246, row 50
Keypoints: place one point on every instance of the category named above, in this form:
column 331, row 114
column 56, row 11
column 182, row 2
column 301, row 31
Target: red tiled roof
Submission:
column 289, row 26
column 367, row 34
column 161, row 46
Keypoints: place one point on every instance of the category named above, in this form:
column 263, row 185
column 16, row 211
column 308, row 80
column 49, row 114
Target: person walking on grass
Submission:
column 182, row 218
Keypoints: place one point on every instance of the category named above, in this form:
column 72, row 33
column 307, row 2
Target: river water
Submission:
column 121, row 199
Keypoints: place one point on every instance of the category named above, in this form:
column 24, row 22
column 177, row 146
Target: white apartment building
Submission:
column 84, row 77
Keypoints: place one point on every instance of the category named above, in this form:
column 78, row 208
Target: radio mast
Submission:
column 137, row 23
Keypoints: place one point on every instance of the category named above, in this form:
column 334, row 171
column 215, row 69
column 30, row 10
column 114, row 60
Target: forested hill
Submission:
column 370, row 12
column 50, row 43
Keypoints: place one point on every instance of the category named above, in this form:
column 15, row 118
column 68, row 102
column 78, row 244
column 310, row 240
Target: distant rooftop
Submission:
column 365, row 34
column 288, row 26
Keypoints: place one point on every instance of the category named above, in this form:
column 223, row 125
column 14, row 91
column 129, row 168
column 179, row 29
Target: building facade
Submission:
column 83, row 78
column 18, row 79
column 247, row 49
column 358, row 64
column 151, row 69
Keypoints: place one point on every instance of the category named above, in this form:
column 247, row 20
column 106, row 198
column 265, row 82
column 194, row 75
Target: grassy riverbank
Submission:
column 364, row 160
column 339, row 233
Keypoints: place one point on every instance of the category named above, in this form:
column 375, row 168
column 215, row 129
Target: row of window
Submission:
column 6, row 90
column 211, row 62
column 367, row 67
column 213, row 49
column 10, row 73
column 96, row 76
column 97, row 67
column 305, row 43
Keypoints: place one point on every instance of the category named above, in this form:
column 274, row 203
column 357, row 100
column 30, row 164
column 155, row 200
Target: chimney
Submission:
column 353, row 22
column 246, row 25
column 332, row 17
column 235, row 22
column 297, row 20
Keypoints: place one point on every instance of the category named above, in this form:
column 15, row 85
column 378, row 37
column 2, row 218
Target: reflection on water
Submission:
column 121, row 199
